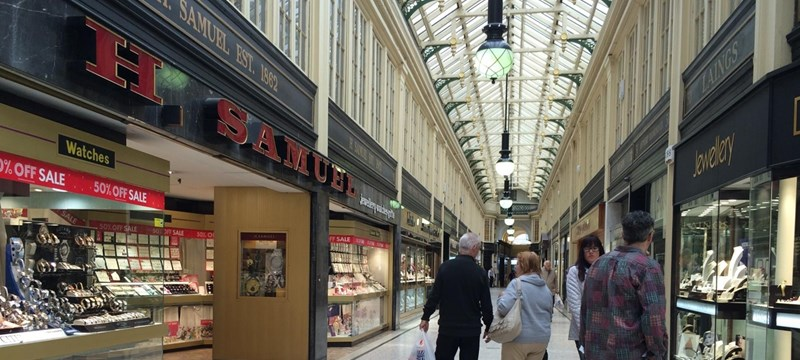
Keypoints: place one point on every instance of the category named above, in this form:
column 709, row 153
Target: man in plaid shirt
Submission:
column 623, row 307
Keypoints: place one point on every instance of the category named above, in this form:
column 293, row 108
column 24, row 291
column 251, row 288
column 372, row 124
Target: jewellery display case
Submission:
column 415, row 276
column 358, row 287
column 773, row 306
column 158, row 268
column 712, row 275
column 133, row 257
column 50, row 293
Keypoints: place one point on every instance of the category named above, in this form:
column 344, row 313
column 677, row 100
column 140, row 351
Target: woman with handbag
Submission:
column 589, row 249
column 536, row 309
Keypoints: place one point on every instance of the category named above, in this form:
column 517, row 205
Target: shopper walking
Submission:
column 536, row 310
column 549, row 276
column 626, row 287
column 490, row 273
column 590, row 248
column 461, row 292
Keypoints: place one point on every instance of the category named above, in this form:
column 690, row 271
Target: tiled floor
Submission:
column 397, row 344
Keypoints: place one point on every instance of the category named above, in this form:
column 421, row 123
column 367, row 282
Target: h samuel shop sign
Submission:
column 222, row 115
column 230, row 121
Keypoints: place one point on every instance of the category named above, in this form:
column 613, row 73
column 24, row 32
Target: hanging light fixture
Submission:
column 509, row 220
column 510, row 231
column 505, row 201
column 505, row 166
column 495, row 57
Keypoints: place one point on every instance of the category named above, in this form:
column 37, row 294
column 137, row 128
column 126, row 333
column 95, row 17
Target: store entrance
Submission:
column 243, row 244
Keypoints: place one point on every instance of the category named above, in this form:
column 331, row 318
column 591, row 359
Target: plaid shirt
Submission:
column 623, row 307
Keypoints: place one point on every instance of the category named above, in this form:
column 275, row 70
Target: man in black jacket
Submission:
column 461, row 291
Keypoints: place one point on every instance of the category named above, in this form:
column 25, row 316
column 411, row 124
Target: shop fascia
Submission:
column 227, row 118
column 231, row 122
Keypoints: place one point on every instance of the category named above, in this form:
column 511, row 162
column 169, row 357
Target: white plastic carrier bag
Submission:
column 422, row 348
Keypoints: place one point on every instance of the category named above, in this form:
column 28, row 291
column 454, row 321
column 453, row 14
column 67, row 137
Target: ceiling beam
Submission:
column 509, row 12
column 514, row 101
column 549, row 49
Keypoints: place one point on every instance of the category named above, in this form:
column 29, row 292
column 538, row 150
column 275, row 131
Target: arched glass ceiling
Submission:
column 552, row 42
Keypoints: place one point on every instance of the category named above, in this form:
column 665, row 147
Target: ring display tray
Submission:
column 113, row 325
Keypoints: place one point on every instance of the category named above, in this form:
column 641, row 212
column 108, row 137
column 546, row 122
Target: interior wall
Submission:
column 261, row 328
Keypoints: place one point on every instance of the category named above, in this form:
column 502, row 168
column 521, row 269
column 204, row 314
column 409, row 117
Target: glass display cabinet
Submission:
column 53, row 302
column 358, row 285
column 736, row 269
column 712, row 273
column 774, row 308
column 415, row 277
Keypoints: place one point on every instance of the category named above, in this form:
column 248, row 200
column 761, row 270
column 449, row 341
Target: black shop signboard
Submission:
column 152, row 64
column 731, row 147
column 785, row 102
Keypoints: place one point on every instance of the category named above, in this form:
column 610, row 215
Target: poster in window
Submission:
column 262, row 266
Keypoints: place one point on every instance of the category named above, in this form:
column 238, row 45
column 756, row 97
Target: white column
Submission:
column 784, row 253
column 319, row 68
column 774, row 19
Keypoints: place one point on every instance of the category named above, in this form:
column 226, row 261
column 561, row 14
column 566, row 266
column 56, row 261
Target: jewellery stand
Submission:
column 735, row 285
column 740, row 272
column 736, row 258
column 708, row 266
column 719, row 281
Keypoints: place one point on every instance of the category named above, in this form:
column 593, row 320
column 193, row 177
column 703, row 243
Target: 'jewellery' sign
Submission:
column 368, row 203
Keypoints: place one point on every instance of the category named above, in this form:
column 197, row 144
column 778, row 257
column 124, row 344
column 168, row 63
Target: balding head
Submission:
column 547, row 265
column 469, row 244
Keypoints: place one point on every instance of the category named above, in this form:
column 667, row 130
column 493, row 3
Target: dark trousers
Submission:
column 578, row 346
column 446, row 347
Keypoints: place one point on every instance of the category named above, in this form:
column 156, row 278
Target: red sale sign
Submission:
column 29, row 171
column 350, row 239
column 174, row 233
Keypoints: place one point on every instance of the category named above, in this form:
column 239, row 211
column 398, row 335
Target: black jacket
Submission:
column 461, row 291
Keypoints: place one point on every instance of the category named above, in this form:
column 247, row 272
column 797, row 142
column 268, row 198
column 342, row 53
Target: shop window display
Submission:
column 54, row 267
column 262, row 271
column 772, row 299
column 143, row 264
column 415, row 276
column 712, row 273
column 357, row 298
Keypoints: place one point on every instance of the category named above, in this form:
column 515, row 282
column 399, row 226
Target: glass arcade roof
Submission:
column 552, row 42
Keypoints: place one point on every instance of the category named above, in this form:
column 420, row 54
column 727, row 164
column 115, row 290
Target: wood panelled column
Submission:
column 261, row 327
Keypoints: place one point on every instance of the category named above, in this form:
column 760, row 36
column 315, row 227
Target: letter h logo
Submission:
column 108, row 62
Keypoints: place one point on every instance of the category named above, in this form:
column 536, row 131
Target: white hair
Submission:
column 468, row 242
